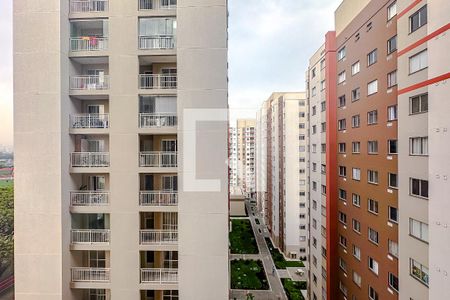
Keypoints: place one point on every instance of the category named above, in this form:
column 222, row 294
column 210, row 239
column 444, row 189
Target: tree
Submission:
column 6, row 225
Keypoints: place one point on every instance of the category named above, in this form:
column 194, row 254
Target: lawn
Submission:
column 279, row 260
column 242, row 239
column 6, row 183
column 293, row 288
column 248, row 275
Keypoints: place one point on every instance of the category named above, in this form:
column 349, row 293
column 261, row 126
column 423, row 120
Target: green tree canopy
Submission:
column 6, row 225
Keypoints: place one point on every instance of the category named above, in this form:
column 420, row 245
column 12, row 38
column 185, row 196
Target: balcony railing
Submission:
column 158, row 198
column 89, row 82
column 89, row 159
column 157, row 4
column 89, row 198
column 90, row 43
column 148, row 42
column 90, row 236
column 157, row 81
column 89, row 121
column 90, row 274
column 80, row 6
column 157, row 120
column 160, row 276
column 158, row 237
column 158, row 159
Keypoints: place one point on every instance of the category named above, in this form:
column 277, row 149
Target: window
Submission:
column 419, row 271
column 392, row 44
column 313, row 91
column 341, row 147
column 357, row 279
column 372, row 117
column 393, row 248
column 392, row 147
column 372, row 206
column 418, row 62
column 356, row 200
column 392, row 112
column 323, row 148
column 372, row 177
column 356, row 121
column 322, row 64
column 373, row 236
column 373, row 295
column 373, row 265
column 418, row 229
column 355, row 68
column 418, row 19
column 342, row 171
column 372, row 57
column 356, row 147
column 418, row 146
column 393, row 281
column 343, row 288
column 392, row 79
column 314, row 110
column 356, row 225
column 323, row 169
column 313, row 72
column 393, row 214
column 323, row 106
column 322, row 85
column 342, row 101
column 341, row 77
column 314, row 129
column 392, row 180
column 342, row 194
column 372, row 147
column 392, row 10
column 324, row 189
column 418, row 104
column 418, row 187
column 356, row 94
column 341, row 54
column 342, row 218
column 343, row 241
column 323, row 127
column 341, row 124
column 357, row 252
column 356, row 174
column 342, row 264
column 372, row 87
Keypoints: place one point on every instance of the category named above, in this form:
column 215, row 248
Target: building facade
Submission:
column 233, row 156
column 119, row 193
column 246, row 148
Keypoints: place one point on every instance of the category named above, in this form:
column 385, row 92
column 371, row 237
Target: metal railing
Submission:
column 90, row 236
column 157, row 120
column 157, row 237
column 80, row 6
column 158, row 198
column 89, row 121
column 158, row 159
column 89, row 159
column 89, row 198
column 90, row 274
column 91, row 43
column 148, row 42
column 89, row 82
column 157, row 4
column 157, row 81
column 161, row 276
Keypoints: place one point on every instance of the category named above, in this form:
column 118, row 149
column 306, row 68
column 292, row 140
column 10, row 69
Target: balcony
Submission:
column 89, row 121
column 157, row 120
column 157, row 42
column 158, row 159
column 84, row 6
column 158, row 237
column 89, row 159
column 89, row 82
column 90, row 236
column 90, row 275
column 89, row 198
column 88, row 43
column 157, row 4
column 158, row 198
column 159, row 276
column 158, row 81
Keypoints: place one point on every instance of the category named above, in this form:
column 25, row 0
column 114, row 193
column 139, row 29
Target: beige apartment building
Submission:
column 121, row 188
column 282, row 172
column 246, row 148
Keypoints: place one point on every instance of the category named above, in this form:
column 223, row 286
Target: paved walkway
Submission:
column 276, row 291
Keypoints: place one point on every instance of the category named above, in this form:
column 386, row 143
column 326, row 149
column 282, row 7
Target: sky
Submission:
column 270, row 43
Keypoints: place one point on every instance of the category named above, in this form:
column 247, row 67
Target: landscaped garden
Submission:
column 293, row 288
column 248, row 275
column 279, row 260
column 242, row 239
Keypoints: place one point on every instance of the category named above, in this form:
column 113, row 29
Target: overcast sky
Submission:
column 270, row 43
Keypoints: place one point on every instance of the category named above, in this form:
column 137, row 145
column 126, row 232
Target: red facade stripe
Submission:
column 424, row 83
column 411, row 6
column 425, row 39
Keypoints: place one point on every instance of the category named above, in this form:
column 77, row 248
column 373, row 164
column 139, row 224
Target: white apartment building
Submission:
column 119, row 193
column 246, row 147
column 233, row 156
column 282, row 143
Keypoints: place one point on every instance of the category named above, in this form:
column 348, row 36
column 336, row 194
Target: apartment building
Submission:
column 119, row 192
column 246, row 148
column 233, row 156
column 285, row 167
column 423, row 72
column 261, row 171
column 320, row 83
